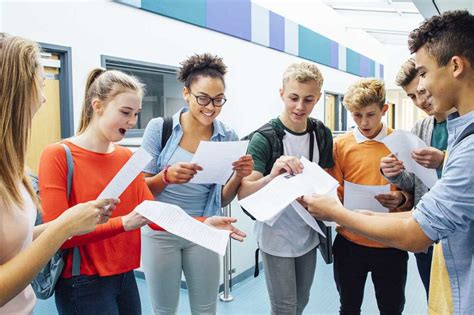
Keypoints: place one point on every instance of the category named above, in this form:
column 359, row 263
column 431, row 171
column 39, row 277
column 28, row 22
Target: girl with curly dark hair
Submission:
column 165, row 256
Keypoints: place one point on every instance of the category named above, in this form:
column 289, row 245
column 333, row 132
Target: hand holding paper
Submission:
column 402, row 143
column 268, row 202
column 216, row 160
column 126, row 175
column 174, row 220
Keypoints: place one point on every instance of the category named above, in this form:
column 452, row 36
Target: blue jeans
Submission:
column 423, row 262
column 117, row 294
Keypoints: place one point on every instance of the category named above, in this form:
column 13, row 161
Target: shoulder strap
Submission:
column 70, row 169
column 167, row 130
column 76, row 257
column 469, row 130
column 274, row 134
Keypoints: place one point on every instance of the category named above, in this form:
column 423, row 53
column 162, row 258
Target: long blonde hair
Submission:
column 20, row 88
column 103, row 85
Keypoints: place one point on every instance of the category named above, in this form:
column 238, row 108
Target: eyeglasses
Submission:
column 205, row 100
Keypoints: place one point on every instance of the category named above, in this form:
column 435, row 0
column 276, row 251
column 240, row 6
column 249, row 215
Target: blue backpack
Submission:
column 45, row 281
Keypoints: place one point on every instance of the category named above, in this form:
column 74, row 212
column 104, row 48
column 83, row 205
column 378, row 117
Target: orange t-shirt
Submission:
column 359, row 163
column 108, row 250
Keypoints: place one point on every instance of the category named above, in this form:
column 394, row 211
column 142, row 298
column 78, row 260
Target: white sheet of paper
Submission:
column 126, row 175
column 269, row 201
column 216, row 160
column 174, row 220
column 361, row 197
column 333, row 193
column 401, row 143
column 307, row 218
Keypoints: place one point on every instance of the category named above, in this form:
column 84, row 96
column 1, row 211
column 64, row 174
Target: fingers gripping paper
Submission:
column 174, row 220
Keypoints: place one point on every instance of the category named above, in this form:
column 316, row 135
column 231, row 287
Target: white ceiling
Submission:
column 390, row 21
column 387, row 21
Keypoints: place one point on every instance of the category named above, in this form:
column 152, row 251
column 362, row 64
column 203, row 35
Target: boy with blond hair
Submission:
column 289, row 246
column 357, row 156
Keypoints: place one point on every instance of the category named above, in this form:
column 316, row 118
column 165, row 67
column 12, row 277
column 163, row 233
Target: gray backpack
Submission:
column 45, row 281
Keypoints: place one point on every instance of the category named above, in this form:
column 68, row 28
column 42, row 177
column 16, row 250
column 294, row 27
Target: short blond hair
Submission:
column 303, row 72
column 363, row 93
column 407, row 73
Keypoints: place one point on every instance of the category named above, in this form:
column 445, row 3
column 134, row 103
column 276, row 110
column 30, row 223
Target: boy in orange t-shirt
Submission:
column 357, row 157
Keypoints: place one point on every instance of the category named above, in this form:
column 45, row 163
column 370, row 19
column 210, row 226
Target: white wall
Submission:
column 102, row 27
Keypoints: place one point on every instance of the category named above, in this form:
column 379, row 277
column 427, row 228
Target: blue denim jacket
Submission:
column 161, row 156
column 446, row 213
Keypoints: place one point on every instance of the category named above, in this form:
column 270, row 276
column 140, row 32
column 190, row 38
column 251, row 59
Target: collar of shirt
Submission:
column 359, row 137
column 217, row 130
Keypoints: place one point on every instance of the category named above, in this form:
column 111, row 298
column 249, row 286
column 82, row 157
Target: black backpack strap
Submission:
column 167, row 130
column 325, row 143
column 469, row 130
column 256, row 271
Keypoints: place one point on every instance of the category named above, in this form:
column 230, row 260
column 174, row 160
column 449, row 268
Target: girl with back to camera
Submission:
column 26, row 248
column 166, row 256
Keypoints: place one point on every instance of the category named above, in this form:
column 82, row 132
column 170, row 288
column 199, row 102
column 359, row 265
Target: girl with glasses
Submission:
column 166, row 256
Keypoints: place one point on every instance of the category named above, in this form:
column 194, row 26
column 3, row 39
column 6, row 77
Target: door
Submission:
column 46, row 126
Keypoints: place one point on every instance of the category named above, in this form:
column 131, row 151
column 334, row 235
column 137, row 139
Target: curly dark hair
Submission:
column 447, row 35
column 206, row 65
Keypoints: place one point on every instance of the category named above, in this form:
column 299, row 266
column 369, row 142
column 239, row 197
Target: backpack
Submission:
column 274, row 133
column 45, row 281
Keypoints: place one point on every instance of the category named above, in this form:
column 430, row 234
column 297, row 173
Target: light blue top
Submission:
column 192, row 198
column 446, row 214
column 162, row 156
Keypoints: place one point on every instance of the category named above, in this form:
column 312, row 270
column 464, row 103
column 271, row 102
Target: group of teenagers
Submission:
column 111, row 239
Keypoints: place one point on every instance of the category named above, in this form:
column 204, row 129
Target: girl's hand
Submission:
column 225, row 223
column 181, row 172
column 243, row 166
column 289, row 164
column 133, row 221
column 84, row 217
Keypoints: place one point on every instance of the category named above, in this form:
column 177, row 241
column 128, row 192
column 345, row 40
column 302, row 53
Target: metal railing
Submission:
column 225, row 296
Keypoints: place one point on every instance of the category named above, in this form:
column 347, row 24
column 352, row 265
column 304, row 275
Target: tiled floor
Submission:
column 250, row 296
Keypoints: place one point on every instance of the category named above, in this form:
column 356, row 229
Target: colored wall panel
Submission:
column 260, row 25
column 248, row 21
column 314, row 47
column 291, row 37
column 366, row 67
column 342, row 57
column 352, row 62
column 230, row 17
column 334, row 54
column 277, row 31
column 191, row 11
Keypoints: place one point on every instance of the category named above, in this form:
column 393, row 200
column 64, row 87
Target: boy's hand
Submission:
column 289, row 164
column 392, row 200
column 428, row 157
column 322, row 207
column 391, row 166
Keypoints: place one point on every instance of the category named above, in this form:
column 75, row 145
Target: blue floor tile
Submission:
column 250, row 296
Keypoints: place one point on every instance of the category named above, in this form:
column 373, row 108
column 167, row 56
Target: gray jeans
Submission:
column 289, row 281
column 164, row 258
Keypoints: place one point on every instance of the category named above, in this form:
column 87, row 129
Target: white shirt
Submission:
column 290, row 236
